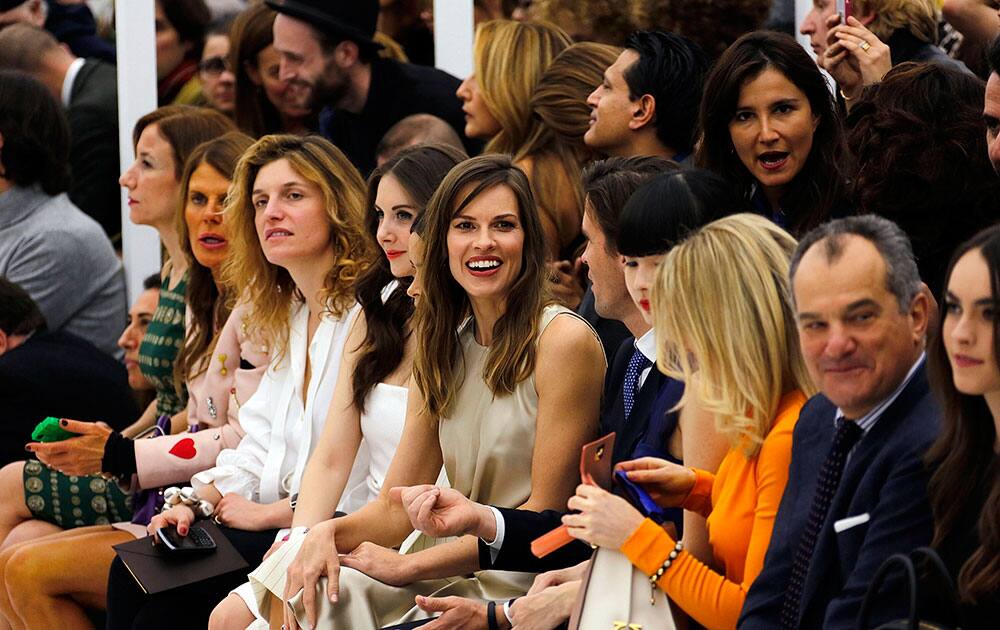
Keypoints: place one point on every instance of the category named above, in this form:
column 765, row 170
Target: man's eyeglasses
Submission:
column 213, row 66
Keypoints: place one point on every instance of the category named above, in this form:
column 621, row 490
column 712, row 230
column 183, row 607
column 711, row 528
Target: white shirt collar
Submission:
column 646, row 344
column 67, row 86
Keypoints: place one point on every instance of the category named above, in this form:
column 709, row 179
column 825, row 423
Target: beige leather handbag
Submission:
column 617, row 596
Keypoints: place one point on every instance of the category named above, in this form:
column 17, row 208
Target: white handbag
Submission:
column 617, row 596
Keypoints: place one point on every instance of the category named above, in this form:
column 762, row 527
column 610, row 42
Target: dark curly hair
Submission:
column 35, row 135
column 712, row 24
column 920, row 144
column 819, row 189
column 601, row 21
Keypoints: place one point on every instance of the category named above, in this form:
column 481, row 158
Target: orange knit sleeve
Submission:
column 708, row 597
column 699, row 500
column 772, row 476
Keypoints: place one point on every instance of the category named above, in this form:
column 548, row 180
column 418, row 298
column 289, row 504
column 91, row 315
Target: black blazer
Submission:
column 93, row 155
column 884, row 478
column 397, row 90
column 59, row 374
column 657, row 395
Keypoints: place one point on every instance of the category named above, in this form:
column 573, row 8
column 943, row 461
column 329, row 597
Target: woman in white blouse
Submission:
column 369, row 403
column 299, row 248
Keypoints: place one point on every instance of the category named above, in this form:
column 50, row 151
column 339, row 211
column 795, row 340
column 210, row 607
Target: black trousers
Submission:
column 184, row 607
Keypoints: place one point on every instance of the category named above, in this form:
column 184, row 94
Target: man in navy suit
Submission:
column 856, row 489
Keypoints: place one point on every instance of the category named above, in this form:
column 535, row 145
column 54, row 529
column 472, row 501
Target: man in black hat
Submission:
column 327, row 47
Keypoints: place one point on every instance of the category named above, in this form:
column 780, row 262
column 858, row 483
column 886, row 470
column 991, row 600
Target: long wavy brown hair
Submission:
column 559, row 119
column 419, row 170
column 206, row 300
column 268, row 287
column 963, row 457
column 443, row 307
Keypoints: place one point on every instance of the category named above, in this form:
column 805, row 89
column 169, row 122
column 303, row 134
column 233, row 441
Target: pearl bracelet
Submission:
column 175, row 496
column 653, row 579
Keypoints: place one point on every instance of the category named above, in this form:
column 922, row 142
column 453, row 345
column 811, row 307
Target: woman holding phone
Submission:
column 295, row 209
column 709, row 339
column 62, row 573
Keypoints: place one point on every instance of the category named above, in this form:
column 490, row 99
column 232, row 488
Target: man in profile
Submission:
column 648, row 102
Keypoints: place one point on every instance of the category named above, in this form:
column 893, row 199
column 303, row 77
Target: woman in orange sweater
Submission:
column 723, row 314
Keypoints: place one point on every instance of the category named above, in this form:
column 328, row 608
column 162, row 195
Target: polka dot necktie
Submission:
column 847, row 435
column 636, row 365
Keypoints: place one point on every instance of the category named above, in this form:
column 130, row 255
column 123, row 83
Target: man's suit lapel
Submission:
column 824, row 562
column 80, row 80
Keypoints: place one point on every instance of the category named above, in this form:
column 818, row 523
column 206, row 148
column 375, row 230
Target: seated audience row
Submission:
column 378, row 394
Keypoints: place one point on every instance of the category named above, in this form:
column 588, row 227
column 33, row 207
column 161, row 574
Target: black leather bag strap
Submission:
column 925, row 558
column 893, row 561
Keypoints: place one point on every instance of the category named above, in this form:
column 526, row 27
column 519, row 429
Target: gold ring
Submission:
column 215, row 519
column 864, row 45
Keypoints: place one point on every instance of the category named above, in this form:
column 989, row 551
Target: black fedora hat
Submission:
column 350, row 19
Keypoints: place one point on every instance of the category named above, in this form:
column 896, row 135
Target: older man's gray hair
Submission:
column 901, row 276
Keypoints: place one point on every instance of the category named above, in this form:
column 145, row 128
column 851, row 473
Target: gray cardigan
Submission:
column 63, row 259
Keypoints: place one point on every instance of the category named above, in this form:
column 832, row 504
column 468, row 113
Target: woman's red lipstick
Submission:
column 963, row 361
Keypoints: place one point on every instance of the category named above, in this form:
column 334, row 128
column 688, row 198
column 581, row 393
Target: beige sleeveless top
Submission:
column 487, row 441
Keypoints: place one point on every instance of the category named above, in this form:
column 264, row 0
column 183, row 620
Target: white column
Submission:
column 136, row 43
column 453, row 33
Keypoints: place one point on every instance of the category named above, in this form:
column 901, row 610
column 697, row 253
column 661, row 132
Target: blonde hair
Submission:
column 508, row 60
column 722, row 311
column 919, row 17
column 268, row 287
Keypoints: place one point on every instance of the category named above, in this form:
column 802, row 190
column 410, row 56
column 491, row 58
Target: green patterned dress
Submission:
column 159, row 348
column 71, row 501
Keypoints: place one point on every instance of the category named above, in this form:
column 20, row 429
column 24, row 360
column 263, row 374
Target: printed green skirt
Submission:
column 71, row 501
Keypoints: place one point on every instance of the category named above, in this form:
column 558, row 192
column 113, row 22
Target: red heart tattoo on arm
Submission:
column 184, row 449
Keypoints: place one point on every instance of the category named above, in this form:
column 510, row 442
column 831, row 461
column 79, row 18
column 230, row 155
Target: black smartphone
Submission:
column 196, row 541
